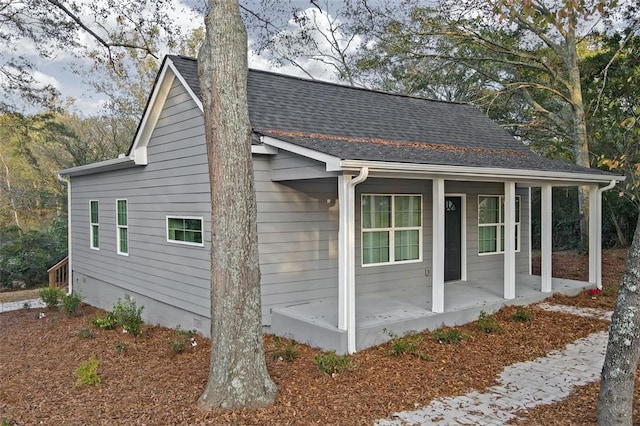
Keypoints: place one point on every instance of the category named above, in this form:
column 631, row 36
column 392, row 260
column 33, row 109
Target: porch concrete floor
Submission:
column 400, row 311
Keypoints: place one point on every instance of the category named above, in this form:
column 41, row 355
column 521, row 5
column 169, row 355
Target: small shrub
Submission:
column 106, row 322
column 5, row 422
column 120, row 347
column 408, row 344
column 609, row 290
column 522, row 315
column 50, row 296
column 85, row 333
column 289, row 353
column 486, row 323
column 87, row 372
column 70, row 303
column 448, row 336
column 330, row 363
column 128, row 315
column 182, row 340
column 26, row 306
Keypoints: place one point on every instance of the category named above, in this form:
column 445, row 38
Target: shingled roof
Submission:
column 359, row 124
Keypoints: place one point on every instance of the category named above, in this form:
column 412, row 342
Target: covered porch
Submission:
column 400, row 311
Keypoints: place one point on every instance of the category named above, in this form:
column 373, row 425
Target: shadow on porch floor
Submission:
column 401, row 311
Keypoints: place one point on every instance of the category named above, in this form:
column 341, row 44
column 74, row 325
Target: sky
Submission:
column 69, row 73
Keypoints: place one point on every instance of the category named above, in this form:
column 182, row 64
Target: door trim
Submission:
column 463, row 233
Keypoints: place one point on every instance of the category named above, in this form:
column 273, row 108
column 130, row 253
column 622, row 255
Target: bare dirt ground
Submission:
column 144, row 382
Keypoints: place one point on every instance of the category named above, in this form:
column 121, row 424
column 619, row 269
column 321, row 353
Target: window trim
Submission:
column 392, row 230
column 500, row 224
column 92, row 224
column 185, row 243
column 118, row 227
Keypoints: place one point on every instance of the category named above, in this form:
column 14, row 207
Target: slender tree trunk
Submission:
column 615, row 403
column 581, row 141
column 7, row 181
column 238, row 376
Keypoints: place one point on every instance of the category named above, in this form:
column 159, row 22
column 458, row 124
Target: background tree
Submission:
column 238, row 374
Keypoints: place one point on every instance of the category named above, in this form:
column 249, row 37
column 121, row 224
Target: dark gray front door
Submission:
column 452, row 238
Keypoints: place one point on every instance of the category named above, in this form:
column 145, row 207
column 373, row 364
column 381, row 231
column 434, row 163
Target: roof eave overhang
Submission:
column 102, row 166
column 416, row 170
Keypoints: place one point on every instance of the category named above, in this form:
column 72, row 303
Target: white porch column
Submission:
column 597, row 217
column 343, row 250
column 594, row 247
column 437, row 276
column 509, row 240
column 546, row 245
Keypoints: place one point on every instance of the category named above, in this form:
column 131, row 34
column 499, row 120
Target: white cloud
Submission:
column 42, row 80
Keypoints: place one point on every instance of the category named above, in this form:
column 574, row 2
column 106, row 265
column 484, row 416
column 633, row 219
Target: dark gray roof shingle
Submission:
column 359, row 124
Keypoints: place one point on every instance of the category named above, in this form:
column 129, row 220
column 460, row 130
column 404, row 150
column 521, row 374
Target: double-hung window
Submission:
column 94, row 225
column 184, row 230
column 122, row 224
column 491, row 224
column 391, row 229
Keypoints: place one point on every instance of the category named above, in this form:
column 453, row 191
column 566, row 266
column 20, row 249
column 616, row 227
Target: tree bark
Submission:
column 238, row 376
column 615, row 403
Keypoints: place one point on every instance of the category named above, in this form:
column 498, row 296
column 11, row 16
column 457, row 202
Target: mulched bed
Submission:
column 149, row 384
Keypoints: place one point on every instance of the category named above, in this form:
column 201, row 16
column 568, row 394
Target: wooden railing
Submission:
column 59, row 274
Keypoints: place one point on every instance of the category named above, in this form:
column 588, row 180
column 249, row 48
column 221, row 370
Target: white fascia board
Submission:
column 332, row 163
column 184, row 83
column 102, row 166
column 484, row 173
column 264, row 149
column 138, row 151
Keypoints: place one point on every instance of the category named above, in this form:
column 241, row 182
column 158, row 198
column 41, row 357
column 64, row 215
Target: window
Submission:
column 184, row 230
column 491, row 224
column 94, row 225
column 122, row 227
column 391, row 229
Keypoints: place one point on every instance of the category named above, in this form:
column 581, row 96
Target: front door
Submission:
column 452, row 238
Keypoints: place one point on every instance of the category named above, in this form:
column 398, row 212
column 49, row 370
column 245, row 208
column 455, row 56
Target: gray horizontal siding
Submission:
column 287, row 166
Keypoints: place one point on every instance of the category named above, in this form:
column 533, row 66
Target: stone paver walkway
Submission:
column 14, row 306
column 523, row 385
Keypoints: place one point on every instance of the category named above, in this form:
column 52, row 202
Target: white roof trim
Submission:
column 264, row 149
column 466, row 172
column 184, row 83
column 332, row 163
column 102, row 166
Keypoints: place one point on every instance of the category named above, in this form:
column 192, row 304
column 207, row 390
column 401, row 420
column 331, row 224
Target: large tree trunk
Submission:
column 615, row 404
column 238, row 376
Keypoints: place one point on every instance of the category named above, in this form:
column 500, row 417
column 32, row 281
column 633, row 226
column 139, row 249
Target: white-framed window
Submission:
column 94, row 225
column 185, row 230
column 391, row 229
column 491, row 224
column 122, row 227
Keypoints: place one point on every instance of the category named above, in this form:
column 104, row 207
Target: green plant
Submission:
column 330, row 363
column 448, row 336
column 87, row 372
column 85, row 333
column 408, row 344
column 120, row 347
column 289, row 353
column 182, row 340
column 50, row 296
column 5, row 422
column 522, row 315
column 26, row 306
column 128, row 315
column 70, row 303
column 105, row 322
column 486, row 323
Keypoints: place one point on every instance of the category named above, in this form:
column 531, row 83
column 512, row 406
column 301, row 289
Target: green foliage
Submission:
column 70, row 303
column 105, row 322
column 289, row 353
column 128, row 315
column 521, row 314
column 120, row 347
column 448, row 336
column 409, row 344
column 87, row 372
column 51, row 296
column 330, row 363
column 85, row 333
column 487, row 323
column 5, row 422
column 25, row 258
column 183, row 339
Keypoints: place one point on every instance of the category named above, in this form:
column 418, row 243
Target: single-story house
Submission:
column 376, row 211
